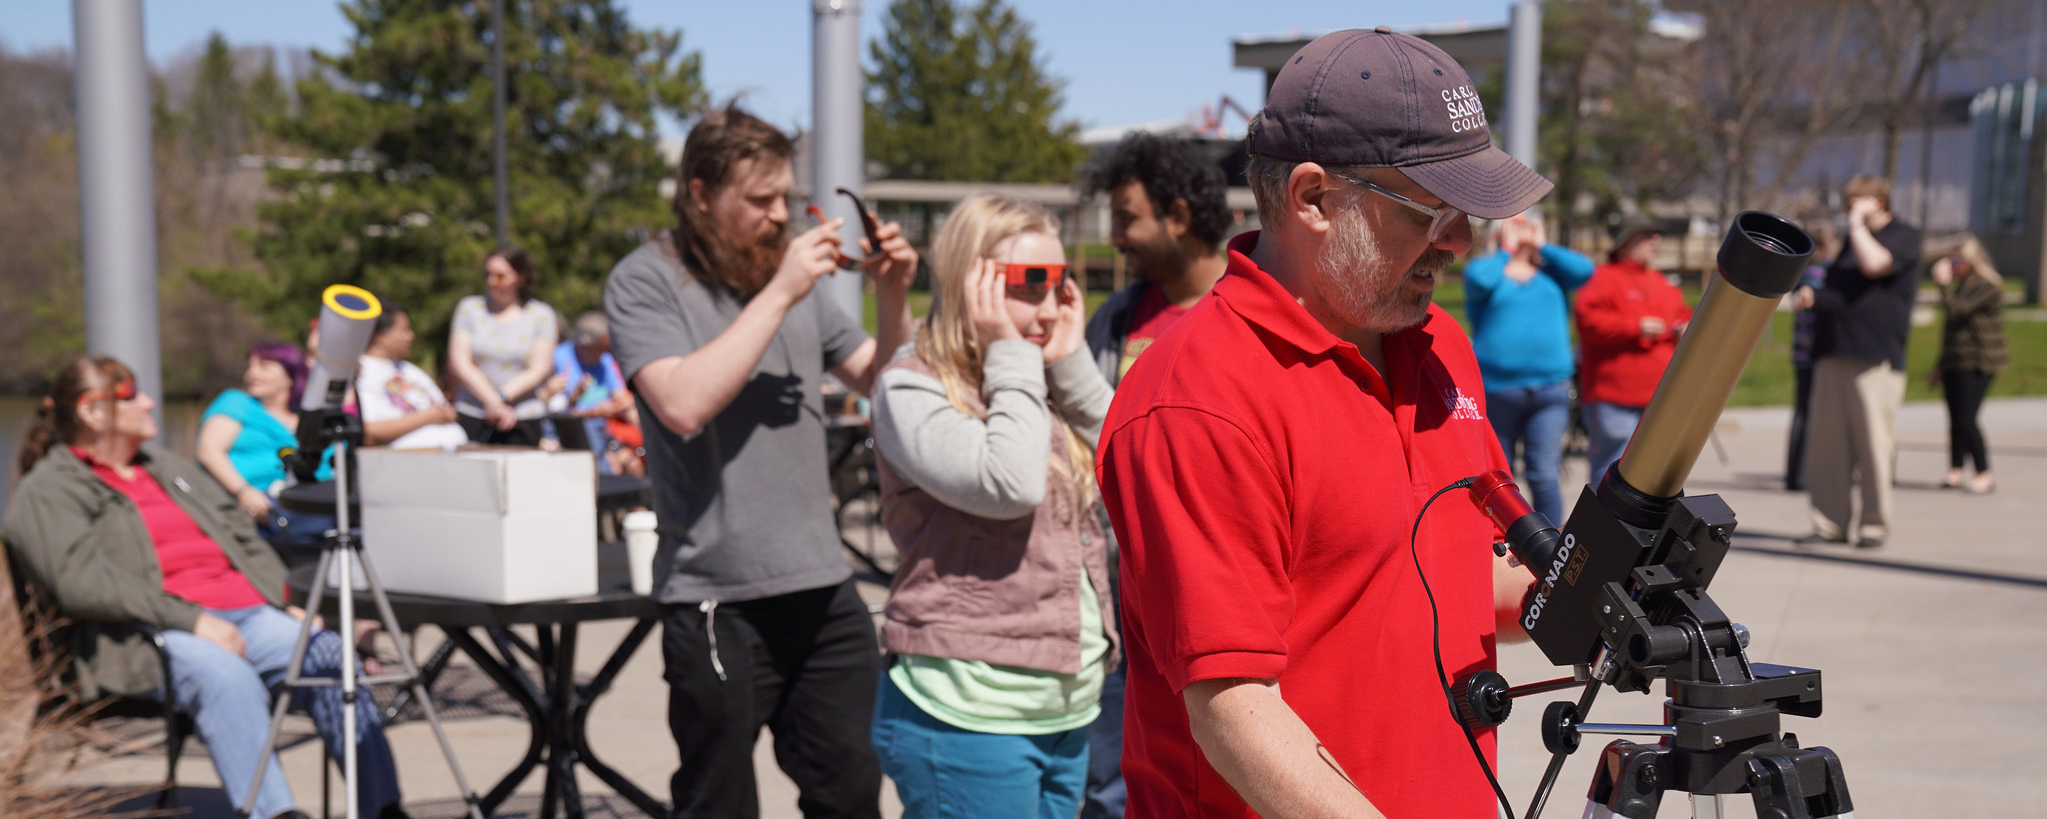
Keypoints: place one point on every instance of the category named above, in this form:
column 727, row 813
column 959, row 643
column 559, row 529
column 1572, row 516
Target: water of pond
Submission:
column 180, row 430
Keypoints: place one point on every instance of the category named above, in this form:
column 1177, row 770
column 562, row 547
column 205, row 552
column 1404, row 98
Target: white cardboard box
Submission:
column 499, row 525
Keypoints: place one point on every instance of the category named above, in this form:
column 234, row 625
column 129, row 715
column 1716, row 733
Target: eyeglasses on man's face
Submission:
column 1440, row 219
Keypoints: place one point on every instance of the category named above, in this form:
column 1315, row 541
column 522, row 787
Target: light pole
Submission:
column 117, row 189
column 502, row 188
column 838, row 148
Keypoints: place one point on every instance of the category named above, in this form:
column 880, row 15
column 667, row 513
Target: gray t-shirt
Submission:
column 500, row 349
column 745, row 504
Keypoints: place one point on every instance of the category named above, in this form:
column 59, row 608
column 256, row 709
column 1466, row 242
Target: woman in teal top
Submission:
column 1519, row 303
column 240, row 435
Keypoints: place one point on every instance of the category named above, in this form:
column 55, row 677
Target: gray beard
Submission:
column 1358, row 283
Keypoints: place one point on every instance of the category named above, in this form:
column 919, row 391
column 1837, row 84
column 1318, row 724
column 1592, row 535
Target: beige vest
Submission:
column 1006, row 592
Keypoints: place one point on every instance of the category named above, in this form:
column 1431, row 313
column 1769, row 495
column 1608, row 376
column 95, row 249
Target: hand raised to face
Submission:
column 896, row 263
column 1068, row 330
column 987, row 308
column 811, row 255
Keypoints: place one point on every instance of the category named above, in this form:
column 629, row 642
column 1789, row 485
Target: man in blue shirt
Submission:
column 1518, row 301
column 594, row 385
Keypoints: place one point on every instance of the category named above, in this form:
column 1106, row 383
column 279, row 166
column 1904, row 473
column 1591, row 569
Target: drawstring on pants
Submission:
column 710, row 610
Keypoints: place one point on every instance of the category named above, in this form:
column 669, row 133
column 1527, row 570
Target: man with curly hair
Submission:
column 1168, row 219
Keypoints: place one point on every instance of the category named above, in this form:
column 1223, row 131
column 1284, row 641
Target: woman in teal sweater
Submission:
column 1519, row 303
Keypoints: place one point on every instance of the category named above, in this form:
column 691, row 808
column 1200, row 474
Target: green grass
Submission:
column 1769, row 378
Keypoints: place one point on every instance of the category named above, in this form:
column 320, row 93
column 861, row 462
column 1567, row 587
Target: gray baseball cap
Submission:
column 1378, row 98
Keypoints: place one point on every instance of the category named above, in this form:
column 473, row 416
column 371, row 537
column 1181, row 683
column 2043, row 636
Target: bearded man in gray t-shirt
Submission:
column 716, row 326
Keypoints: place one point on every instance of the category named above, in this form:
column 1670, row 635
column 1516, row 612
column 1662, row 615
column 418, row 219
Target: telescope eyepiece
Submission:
column 1769, row 242
column 1764, row 254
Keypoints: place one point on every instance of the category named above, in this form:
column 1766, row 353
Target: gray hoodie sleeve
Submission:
column 1080, row 393
column 994, row 468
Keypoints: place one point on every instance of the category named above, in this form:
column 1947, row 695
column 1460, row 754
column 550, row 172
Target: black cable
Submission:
column 1436, row 644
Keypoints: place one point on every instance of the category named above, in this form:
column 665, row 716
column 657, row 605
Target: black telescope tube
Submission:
column 1759, row 262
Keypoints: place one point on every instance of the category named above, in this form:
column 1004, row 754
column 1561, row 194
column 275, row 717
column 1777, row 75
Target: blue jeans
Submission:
column 1106, row 793
column 296, row 536
column 944, row 771
column 1535, row 417
column 229, row 700
column 1608, row 428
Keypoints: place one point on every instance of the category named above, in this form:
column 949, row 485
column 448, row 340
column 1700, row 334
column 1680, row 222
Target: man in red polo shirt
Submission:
column 1266, row 458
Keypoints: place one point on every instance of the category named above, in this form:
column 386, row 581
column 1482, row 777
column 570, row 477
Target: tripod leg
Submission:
column 351, row 801
column 418, row 688
column 429, row 674
column 291, row 677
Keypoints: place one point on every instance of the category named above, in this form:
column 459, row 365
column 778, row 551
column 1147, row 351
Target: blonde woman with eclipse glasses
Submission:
column 998, row 621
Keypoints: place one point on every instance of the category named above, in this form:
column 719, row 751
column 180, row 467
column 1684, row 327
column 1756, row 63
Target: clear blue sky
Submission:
column 1123, row 61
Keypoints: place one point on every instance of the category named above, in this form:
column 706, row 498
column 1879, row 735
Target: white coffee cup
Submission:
column 640, row 540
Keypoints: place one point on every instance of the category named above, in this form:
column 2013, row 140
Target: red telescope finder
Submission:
column 1532, row 537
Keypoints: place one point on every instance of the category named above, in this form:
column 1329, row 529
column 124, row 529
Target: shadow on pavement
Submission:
column 1812, row 553
column 596, row 805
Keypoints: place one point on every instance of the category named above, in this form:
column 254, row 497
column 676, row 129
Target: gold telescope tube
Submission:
column 1759, row 262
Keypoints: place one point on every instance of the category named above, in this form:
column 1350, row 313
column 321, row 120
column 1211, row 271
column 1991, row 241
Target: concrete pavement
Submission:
column 1934, row 650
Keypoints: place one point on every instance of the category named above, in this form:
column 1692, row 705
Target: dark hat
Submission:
column 1376, row 98
column 1632, row 230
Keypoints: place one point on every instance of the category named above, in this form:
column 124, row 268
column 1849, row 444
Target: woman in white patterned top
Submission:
column 501, row 353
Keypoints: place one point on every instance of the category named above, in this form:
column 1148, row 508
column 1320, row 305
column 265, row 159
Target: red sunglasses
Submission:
column 123, row 391
column 867, row 225
column 1033, row 275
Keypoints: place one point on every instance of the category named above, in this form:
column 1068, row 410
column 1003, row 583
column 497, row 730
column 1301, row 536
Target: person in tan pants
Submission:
column 1861, row 320
column 1853, row 443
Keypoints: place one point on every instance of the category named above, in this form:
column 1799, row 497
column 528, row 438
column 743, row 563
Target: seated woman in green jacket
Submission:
column 121, row 533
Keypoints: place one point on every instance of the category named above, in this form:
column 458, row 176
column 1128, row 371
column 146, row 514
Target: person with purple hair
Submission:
column 240, row 434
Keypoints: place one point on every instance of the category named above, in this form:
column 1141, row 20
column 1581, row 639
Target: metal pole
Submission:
column 352, row 808
column 503, row 187
column 117, row 189
column 837, row 148
column 1524, row 77
column 1932, row 104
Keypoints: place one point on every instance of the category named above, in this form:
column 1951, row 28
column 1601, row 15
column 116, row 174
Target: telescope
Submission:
column 348, row 317
column 1620, row 592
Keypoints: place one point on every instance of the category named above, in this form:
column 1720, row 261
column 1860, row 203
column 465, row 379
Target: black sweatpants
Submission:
column 803, row 664
column 1801, row 404
column 1965, row 390
column 523, row 433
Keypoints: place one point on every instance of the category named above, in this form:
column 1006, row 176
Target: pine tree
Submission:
column 958, row 93
column 397, row 195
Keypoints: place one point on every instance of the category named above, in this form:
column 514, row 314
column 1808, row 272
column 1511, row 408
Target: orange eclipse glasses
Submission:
column 1016, row 274
column 867, row 224
column 123, row 391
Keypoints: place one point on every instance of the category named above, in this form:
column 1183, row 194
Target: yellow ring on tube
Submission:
column 369, row 309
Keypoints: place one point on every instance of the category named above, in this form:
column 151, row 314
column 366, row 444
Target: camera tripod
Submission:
column 1620, row 592
column 342, row 552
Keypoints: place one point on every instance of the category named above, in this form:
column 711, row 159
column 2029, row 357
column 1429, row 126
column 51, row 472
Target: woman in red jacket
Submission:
column 1629, row 319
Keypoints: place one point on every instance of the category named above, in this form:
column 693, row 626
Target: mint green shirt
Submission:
column 1001, row 699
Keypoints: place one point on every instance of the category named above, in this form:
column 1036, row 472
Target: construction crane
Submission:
column 1209, row 124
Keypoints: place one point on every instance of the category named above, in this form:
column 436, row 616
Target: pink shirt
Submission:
column 194, row 566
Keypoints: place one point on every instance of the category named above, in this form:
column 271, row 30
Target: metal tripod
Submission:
column 343, row 552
